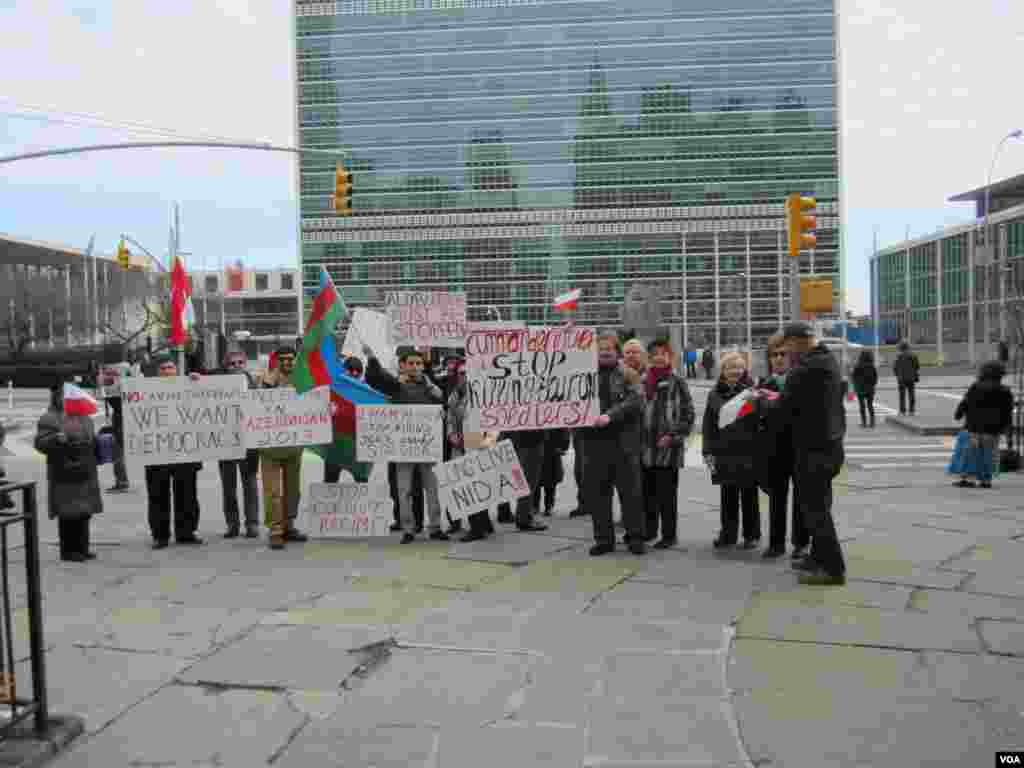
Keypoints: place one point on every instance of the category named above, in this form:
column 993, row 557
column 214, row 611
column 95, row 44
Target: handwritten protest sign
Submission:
column 176, row 420
column 371, row 329
column 282, row 418
column 480, row 479
column 534, row 378
column 347, row 510
column 410, row 433
column 424, row 318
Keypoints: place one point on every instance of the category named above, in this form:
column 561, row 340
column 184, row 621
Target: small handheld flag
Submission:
column 77, row 402
column 568, row 300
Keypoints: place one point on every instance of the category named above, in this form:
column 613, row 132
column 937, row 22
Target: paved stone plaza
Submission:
column 522, row 650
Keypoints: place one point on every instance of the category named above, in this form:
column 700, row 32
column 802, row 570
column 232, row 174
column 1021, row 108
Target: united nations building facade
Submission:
column 516, row 149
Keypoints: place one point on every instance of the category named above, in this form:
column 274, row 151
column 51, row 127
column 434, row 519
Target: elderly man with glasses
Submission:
column 247, row 468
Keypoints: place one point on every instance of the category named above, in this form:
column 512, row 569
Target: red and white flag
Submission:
column 567, row 300
column 77, row 402
column 736, row 408
column 179, row 304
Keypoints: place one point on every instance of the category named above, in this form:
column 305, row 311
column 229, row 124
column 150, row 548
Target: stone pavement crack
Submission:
column 728, row 707
column 136, row 651
column 375, row 654
column 593, row 600
column 869, row 646
column 216, row 688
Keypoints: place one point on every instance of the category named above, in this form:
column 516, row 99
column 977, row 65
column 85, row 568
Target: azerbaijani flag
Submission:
column 78, row 402
column 319, row 364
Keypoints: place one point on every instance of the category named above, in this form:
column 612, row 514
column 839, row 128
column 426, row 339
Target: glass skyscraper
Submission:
column 515, row 149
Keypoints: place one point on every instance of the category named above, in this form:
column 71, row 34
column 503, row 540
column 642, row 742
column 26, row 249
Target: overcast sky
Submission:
column 928, row 90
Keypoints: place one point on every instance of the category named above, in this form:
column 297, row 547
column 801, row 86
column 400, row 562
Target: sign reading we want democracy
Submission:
column 177, row 420
column 532, row 378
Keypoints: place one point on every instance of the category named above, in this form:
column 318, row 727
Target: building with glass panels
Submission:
column 515, row 149
column 950, row 290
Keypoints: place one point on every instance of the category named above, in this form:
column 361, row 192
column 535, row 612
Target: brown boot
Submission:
column 278, row 524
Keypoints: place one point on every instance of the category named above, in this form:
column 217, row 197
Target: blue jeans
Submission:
column 984, row 447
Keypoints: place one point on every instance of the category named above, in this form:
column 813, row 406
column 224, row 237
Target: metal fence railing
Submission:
column 14, row 705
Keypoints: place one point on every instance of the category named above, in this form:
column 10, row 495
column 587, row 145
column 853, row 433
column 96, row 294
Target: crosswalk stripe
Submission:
column 913, row 465
column 897, row 455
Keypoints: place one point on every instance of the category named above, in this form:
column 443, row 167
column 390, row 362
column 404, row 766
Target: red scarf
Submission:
column 654, row 375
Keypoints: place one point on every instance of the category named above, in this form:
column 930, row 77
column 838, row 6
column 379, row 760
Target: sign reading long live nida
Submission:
column 535, row 378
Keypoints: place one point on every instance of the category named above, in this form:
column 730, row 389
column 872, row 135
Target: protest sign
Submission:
column 347, row 510
column 371, row 329
column 282, row 418
column 408, row 433
column 175, row 420
column 534, row 378
column 426, row 319
column 480, row 480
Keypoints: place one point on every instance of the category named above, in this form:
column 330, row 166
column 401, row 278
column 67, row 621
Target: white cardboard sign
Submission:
column 372, row 329
column 480, row 480
column 282, row 418
column 175, row 420
column 402, row 433
column 347, row 510
column 426, row 318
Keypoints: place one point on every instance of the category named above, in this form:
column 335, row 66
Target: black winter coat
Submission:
column 734, row 447
column 988, row 408
column 865, row 379
column 813, row 402
column 774, row 465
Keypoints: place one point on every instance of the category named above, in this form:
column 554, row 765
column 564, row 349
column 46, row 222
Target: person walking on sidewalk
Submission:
column 668, row 419
column 707, row 361
column 412, row 387
column 611, row 454
column 180, row 479
column 247, row 469
column 865, row 379
column 776, row 459
column 907, row 372
column 281, row 468
column 72, row 480
column 987, row 409
column 729, row 452
column 813, row 403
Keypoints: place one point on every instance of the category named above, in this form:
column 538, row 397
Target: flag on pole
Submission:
column 319, row 364
column 567, row 300
column 179, row 304
column 77, row 402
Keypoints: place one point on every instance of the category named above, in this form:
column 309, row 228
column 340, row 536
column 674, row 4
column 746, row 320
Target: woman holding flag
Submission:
column 67, row 437
column 730, row 441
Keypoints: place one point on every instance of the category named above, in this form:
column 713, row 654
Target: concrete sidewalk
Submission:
column 522, row 650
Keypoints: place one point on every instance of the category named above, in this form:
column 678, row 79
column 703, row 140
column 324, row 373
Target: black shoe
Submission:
column 798, row 553
column 601, row 549
column 807, row 565
column 419, row 527
column 191, row 539
column 506, row 519
column 160, row 543
column 293, row 534
column 723, row 543
column 231, row 533
column 74, row 557
column 637, row 547
column 439, row 536
column 651, row 537
column 579, row 512
column 454, row 528
column 90, row 555
column 473, row 536
column 773, row 553
column 408, row 538
column 750, row 544
column 252, row 532
column 963, row 484
column 665, row 544
column 396, row 527
column 532, row 527
column 548, row 511
column 119, row 488
column 985, row 484
column 821, row 578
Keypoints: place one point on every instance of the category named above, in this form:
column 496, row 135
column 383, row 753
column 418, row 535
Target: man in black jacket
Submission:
column 813, row 407
column 907, row 371
column 611, row 454
column 247, row 469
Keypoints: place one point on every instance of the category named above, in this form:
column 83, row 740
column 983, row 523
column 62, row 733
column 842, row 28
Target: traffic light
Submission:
column 123, row 255
column 800, row 226
column 342, row 191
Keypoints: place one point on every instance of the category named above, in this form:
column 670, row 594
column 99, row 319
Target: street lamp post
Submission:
column 990, row 244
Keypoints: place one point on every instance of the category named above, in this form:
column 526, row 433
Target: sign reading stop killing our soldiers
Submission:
column 532, row 378
column 426, row 318
column 480, row 480
column 282, row 418
column 402, row 433
column 176, row 420
column 347, row 510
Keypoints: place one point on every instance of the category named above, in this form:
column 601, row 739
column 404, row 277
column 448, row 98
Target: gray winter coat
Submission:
column 72, row 480
column 669, row 412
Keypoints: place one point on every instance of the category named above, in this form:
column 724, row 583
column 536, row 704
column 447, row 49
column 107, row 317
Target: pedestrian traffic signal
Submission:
column 800, row 226
column 123, row 255
column 342, row 191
